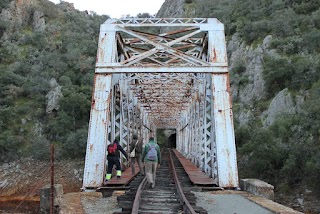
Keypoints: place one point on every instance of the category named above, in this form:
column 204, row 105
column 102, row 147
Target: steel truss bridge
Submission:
column 163, row 73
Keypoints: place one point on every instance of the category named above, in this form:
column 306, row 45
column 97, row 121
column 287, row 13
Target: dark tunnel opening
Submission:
column 172, row 141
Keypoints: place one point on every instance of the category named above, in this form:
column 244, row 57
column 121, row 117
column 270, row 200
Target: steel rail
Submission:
column 179, row 188
column 136, row 202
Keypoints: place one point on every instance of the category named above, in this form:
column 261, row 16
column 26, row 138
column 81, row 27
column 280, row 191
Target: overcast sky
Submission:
column 117, row 8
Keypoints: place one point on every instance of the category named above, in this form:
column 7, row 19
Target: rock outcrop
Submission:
column 39, row 23
column 53, row 97
column 16, row 15
column 171, row 9
column 281, row 104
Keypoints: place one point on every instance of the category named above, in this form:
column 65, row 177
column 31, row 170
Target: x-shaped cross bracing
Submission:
column 162, row 47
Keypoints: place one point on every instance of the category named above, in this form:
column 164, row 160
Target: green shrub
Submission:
column 283, row 23
column 312, row 172
column 281, row 128
column 37, row 40
column 305, row 74
column 75, row 144
column 242, row 134
column 8, row 53
column 10, row 144
column 307, row 7
column 239, row 67
column 278, row 73
column 39, row 148
column 252, row 31
column 59, row 126
column 77, row 105
column 4, row 4
column 288, row 45
column 315, row 17
column 264, row 155
column 311, row 41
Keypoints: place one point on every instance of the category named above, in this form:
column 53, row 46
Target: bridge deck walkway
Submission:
column 126, row 177
column 196, row 176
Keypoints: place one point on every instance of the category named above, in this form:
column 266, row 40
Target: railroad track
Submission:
column 172, row 192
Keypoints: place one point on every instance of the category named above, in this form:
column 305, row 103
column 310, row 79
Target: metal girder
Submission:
column 159, row 22
column 173, row 80
column 116, row 68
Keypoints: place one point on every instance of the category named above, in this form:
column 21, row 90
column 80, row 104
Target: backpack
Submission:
column 112, row 148
column 152, row 153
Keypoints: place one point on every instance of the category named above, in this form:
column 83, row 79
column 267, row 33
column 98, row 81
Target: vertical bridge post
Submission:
column 100, row 112
column 223, row 118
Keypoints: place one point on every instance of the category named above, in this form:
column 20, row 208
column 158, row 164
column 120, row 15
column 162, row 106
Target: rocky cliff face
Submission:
column 247, row 84
column 18, row 14
column 251, row 59
column 171, row 8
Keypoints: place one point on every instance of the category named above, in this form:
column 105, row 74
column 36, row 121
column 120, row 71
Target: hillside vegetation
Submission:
column 36, row 62
column 287, row 152
column 63, row 53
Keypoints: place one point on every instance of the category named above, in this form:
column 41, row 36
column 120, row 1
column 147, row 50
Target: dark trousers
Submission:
column 138, row 158
column 113, row 160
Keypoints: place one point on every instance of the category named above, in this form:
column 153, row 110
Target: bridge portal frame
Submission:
column 205, row 132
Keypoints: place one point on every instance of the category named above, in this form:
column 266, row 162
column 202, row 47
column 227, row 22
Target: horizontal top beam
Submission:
column 186, row 69
column 205, row 24
column 157, row 21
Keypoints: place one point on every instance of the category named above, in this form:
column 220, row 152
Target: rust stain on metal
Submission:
column 228, row 89
column 100, row 53
column 93, row 104
column 214, row 54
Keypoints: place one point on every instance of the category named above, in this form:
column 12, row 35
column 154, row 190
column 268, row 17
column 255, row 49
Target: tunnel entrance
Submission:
column 172, row 141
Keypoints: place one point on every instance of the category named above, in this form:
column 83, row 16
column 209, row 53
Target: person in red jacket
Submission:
column 113, row 158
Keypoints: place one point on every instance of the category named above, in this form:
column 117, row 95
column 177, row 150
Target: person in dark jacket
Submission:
column 136, row 147
column 151, row 164
column 114, row 159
